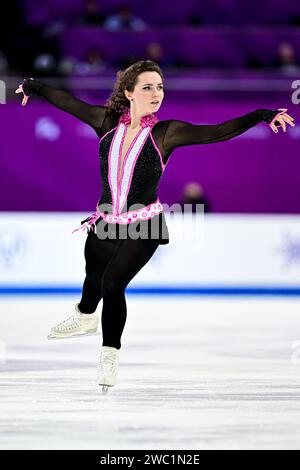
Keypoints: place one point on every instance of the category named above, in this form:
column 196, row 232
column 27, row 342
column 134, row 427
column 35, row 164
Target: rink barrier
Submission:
column 213, row 291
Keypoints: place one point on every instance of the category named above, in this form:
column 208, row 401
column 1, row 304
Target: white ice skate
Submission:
column 108, row 367
column 78, row 324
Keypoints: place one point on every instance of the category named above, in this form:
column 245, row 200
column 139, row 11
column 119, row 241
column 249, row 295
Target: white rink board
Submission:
column 39, row 249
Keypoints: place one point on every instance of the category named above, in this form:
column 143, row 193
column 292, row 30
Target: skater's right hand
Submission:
column 25, row 97
column 281, row 118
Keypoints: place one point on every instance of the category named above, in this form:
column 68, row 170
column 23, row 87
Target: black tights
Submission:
column 110, row 265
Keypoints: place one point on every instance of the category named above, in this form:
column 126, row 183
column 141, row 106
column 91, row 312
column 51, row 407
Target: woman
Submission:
column 135, row 147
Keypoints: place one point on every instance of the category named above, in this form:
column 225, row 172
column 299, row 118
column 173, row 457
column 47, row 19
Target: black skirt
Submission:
column 154, row 229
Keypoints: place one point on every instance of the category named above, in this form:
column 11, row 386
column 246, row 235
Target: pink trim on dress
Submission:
column 132, row 168
column 118, row 168
column 146, row 121
column 107, row 133
column 124, row 162
column 144, row 213
column 109, row 172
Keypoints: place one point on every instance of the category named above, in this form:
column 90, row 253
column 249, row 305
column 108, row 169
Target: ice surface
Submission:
column 194, row 373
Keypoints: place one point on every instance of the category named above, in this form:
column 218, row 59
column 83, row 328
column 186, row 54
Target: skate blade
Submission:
column 105, row 387
column 73, row 336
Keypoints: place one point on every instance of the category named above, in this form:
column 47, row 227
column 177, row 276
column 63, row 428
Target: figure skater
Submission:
column 134, row 149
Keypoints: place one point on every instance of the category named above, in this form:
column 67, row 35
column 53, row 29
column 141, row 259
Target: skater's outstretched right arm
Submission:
column 180, row 133
column 90, row 114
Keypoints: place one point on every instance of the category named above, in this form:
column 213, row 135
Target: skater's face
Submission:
column 148, row 93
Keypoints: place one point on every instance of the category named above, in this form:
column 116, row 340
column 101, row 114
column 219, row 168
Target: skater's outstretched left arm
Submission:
column 93, row 115
column 180, row 133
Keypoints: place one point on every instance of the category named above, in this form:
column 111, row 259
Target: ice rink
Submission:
column 194, row 373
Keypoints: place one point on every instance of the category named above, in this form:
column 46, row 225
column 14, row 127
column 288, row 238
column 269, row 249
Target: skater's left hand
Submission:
column 25, row 97
column 283, row 117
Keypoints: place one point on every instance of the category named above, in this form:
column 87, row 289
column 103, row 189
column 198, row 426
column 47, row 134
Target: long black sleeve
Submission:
column 90, row 114
column 179, row 133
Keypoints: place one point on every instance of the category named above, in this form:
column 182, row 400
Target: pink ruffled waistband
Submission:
column 144, row 213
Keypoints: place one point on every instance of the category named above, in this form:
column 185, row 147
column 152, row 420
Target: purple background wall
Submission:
column 212, row 11
column 193, row 46
column 49, row 160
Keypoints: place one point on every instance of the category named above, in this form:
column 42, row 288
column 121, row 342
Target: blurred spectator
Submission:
column 154, row 51
column 93, row 13
column 125, row 19
column 286, row 58
column 66, row 66
column 93, row 64
column 44, row 64
column 193, row 193
column 53, row 29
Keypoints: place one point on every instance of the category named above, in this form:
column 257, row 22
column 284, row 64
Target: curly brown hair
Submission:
column 126, row 80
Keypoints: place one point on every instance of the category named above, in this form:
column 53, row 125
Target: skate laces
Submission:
column 108, row 360
column 72, row 321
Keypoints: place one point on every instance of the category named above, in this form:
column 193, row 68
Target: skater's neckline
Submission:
column 146, row 121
